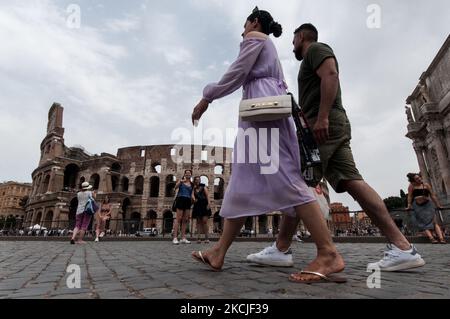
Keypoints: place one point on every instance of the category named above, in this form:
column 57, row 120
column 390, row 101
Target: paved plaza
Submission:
column 159, row 270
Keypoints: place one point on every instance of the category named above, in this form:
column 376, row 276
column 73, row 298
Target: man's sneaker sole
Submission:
column 406, row 266
column 271, row 263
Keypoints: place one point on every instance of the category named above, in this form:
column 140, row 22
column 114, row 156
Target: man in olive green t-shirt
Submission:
column 320, row 99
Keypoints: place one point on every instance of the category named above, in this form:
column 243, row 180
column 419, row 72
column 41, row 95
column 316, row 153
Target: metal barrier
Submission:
column 356, row 226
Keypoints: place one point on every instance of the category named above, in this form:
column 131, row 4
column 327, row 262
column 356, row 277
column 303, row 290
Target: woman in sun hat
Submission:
column 83, row 219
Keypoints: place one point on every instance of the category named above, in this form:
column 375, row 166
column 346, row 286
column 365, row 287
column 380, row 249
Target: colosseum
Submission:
column 139, row 181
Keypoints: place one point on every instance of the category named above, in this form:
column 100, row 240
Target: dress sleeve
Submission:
column 236, row 75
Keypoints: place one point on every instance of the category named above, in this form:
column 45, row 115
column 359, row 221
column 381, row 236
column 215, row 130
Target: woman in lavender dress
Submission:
column 250, row 191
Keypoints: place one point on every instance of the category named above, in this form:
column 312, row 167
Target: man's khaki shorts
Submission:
column 338, row 163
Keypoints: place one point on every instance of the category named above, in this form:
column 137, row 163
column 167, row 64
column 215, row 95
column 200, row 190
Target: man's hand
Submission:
column 320, row 130
column 201, row 108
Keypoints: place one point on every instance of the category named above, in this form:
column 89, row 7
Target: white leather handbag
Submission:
column 269, row 108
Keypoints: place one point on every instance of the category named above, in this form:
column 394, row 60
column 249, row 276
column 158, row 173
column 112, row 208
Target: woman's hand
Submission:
column 201, row 108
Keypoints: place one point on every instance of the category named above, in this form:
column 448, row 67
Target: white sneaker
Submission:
column 271, row 256
column 175, row 241
column 185, row 241
column 396, row 259
column 102, row 234
column 96, row 240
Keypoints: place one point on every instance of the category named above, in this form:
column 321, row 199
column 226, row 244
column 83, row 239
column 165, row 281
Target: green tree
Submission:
column 394, row 202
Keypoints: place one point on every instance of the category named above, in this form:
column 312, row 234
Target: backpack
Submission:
column 91, row 206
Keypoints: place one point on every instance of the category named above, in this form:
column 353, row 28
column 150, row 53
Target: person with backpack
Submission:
column 83, row 217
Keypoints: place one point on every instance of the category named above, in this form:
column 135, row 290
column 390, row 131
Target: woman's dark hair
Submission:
column 196, row 178
column 268, row 25
column 188, row 170
column 411, row 177
column 106, row 200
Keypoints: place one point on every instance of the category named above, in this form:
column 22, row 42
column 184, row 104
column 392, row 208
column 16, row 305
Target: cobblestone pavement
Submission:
column 159, row 270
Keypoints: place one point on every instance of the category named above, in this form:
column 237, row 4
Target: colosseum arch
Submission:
column 125, row 183
column 204, row 180
column 218, row 222
column 170, row 186
column 70, row 176
column 116, row 168
column 156, row 168
column 139, row 185
column 95, row 181
column 167, row 221
column 45, row 184
column 125, row 207
column 218, row 169
column 37, row 219
column 154, row 186
column 219, row 186
column 249, row 223
column 48, row 220
column 135, row 222
column 276, row 223
column 36, row 185
column 262, row 224
column 82, row 180
column 115, row 183
column 152, row 218
column 73, row 212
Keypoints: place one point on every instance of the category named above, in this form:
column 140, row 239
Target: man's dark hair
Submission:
column 310, row 32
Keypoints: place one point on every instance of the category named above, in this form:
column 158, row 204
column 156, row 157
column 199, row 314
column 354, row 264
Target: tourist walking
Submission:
column 83, row 218
column 250, row 192
column 320, row 99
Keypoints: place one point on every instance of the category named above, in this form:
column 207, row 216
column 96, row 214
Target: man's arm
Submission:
column 328, row 89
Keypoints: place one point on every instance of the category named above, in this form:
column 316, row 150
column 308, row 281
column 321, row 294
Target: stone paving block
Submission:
column 159, row 270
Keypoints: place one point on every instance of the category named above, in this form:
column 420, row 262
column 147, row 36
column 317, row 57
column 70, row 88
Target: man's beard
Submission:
column 298, row 55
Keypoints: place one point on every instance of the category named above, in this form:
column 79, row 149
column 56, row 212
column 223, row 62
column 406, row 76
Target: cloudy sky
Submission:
column 133, row 71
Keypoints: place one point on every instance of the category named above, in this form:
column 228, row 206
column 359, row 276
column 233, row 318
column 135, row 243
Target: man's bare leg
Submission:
column 288, row 228
column 373, row 205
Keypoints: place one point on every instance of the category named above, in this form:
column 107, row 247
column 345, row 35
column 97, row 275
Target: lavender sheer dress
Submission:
column 251, row 193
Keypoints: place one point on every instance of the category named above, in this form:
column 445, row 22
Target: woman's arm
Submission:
column 237, row 73
column 207, row 196
column 410, row 196
column 433, row 195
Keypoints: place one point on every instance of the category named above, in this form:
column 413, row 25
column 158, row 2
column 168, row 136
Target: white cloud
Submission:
column 127, row 24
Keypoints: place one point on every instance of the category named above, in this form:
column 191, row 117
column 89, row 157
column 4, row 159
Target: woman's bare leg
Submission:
column 198, row 228
column 429, row 235
column 184, row 222
column 216, row 255
column 205, row 226
column 75, row 233
column 178, row 221
column 438, row 230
